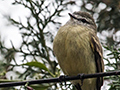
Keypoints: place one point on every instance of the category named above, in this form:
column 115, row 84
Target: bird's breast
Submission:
column 73, row 51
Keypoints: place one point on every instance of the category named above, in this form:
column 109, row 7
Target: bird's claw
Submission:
column 62, row 78
column 81, row 76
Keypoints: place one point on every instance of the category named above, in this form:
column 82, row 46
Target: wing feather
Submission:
column 97, row 50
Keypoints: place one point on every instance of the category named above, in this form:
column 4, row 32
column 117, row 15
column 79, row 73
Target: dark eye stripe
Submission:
column 83, row 20
column 79, row 19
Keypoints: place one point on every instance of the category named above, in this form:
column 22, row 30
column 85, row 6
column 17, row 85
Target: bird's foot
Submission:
column 62, row 79
column 81, row 76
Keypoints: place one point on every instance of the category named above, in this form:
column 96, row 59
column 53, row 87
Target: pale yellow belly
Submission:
column 75, row 56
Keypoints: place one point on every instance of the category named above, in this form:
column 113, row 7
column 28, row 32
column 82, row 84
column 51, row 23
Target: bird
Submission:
column 78, row 50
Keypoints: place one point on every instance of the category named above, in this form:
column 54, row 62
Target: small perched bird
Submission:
column 78, row 50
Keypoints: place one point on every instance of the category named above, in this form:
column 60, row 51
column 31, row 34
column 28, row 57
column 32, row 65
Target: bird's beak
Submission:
column 72, row 16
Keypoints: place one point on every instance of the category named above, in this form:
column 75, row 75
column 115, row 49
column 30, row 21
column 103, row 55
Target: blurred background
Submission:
column 27, row 31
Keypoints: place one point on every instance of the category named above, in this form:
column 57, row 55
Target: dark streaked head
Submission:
column 82, row 18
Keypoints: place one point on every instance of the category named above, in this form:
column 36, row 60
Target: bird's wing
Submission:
column 97, row 50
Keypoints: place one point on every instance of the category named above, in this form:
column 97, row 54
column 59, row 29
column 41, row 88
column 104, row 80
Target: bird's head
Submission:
column 82, row 18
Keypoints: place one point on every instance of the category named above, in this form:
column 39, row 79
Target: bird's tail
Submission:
column 78, row 87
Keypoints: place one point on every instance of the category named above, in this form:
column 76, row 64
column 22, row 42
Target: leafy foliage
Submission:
column 35, row 35
column 113, row 63
column 108, row 13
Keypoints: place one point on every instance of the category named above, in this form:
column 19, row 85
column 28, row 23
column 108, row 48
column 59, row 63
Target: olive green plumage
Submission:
column 78, row 50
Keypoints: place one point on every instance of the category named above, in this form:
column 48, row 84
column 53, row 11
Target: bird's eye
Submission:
column 84, row 21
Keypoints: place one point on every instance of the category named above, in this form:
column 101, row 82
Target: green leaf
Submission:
column 36, row 64
column 6, row 80
column 40, row 87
